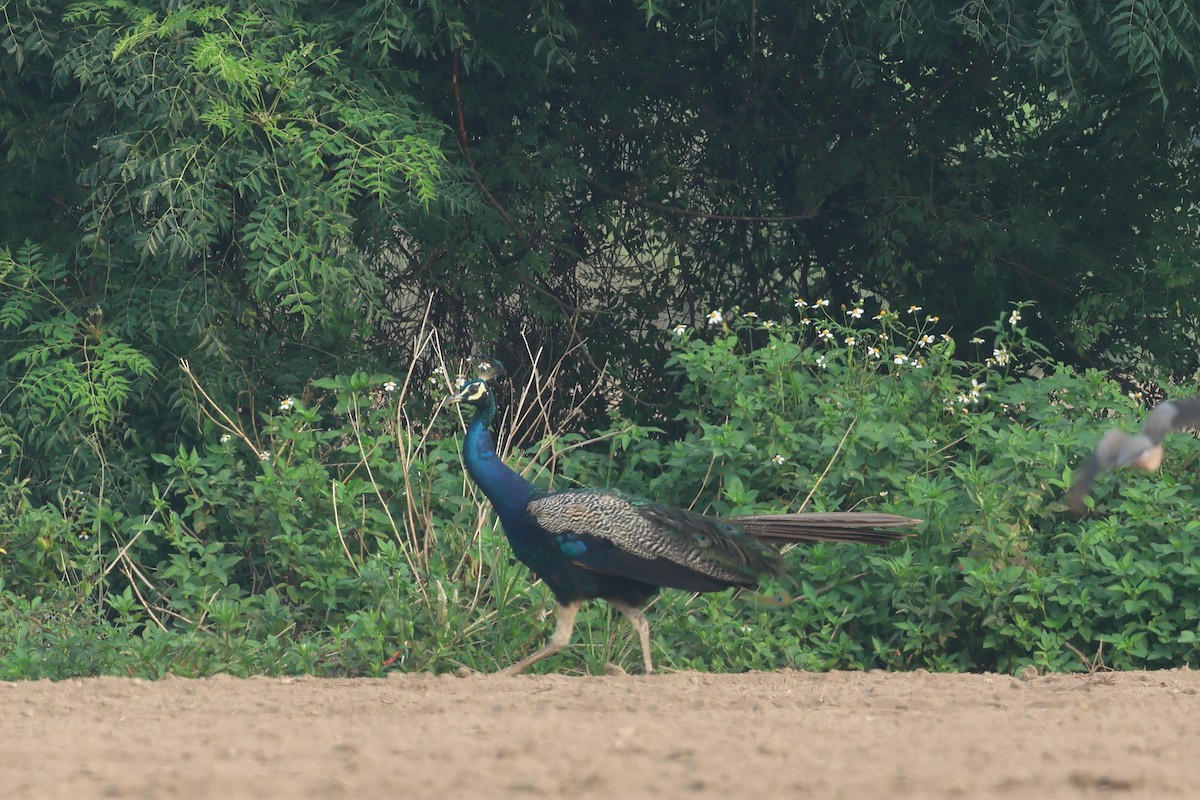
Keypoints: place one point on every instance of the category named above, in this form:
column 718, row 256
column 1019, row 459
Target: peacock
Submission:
column 1142, row 451
column 586, row 543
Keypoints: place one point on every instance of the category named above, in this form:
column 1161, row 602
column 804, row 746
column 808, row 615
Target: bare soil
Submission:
column 763, row 735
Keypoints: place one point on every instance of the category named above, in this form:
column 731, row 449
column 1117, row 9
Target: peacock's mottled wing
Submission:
column 651, row 542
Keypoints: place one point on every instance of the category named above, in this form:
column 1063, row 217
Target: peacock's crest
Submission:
column 487, row 368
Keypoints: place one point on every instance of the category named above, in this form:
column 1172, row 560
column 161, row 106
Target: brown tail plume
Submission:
column 837, row 526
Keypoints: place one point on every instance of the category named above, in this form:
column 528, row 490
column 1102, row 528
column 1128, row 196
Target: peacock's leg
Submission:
column 564, row 624
column 638, row 620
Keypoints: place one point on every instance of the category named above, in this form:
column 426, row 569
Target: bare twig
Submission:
column 1094, row 664
column 337, row 524
column 225, row 423
column 828, row 465
column 130, row 566
column 125, row 549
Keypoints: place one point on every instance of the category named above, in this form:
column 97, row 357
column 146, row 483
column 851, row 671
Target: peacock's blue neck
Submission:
column 507, row 490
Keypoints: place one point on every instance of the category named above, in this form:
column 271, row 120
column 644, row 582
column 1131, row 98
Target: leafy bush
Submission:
column 841, row 411
column 338, row 528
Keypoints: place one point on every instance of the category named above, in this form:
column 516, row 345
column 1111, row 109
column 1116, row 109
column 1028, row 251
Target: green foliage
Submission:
column 333, row 531
column 221, row 188
column 281, row 186
column 69, row 377
column 745, row 151
column 838, row 411
column 266, row 144
column 281, row 190
column 321, row 539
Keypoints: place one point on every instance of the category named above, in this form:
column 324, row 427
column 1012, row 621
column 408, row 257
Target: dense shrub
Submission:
column 337, row 528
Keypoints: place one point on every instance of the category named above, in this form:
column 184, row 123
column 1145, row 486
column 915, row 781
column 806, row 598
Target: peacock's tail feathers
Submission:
column 712, row 540
column 836, row 526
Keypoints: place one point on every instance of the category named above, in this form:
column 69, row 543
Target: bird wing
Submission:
column 1114, row 445
column 651, row 542
column 1172, row 415
column 1085, row 477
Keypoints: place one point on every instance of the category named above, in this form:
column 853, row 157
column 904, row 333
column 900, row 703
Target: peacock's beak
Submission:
column 463, row 395
column 470, row 392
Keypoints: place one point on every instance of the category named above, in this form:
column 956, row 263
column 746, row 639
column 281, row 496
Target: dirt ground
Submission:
column 777, row 735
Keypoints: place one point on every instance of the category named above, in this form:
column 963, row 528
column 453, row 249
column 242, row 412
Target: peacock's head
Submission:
column 474, row 392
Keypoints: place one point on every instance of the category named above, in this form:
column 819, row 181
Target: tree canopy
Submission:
column 283, row 190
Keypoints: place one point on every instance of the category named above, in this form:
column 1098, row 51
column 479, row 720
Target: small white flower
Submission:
column 934, row 318
column 880, row 315
column 918, row 364
column 768, row 323
column 679, row 330
column 715, row 318
column 822, row 303
column 1001, row 356
column 899, row 358
column 750, row 315
column 825, row 334
column 926, row 340
column 439, row 370
column 460, row 382
column 225, row 437
column 821, row 361
column 913, row 309
column 805, row 322
column 977, row 387
column 1014, row 317
column 287, row 404
column 389, row 386
column 976, row 340
column 265, row 455
column 873, row 352
column 778, row 459
column 856, row 313
column 800, row 303
column 945, row 337
column 851, row 341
